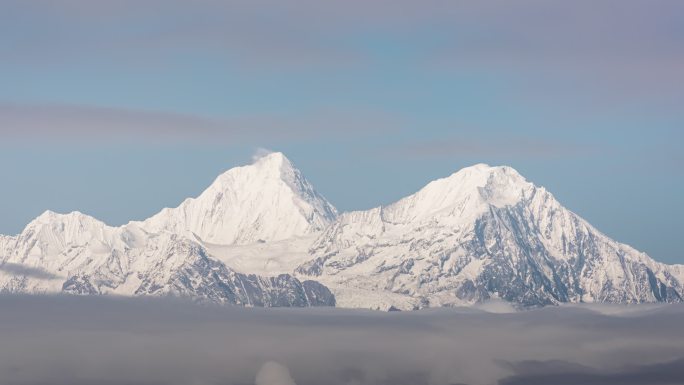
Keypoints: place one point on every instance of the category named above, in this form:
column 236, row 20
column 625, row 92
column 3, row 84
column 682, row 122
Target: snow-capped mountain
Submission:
column 260, row 235
column 483, row 232
column 269, row 200
column 165, row 255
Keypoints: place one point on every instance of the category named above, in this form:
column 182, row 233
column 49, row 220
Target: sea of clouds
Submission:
column 107, row 341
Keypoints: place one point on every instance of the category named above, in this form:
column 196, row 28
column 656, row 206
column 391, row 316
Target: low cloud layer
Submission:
column 28, row 271
column 565, row 373
column 273, row 373
column 76, row 340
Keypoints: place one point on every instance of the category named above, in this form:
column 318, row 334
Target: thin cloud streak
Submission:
column 498, row 147
column 616, row 33
column 626, row 38
column 85, row 124
column 24, row 270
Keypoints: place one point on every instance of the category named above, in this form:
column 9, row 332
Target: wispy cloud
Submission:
column 616, row 33
column 84, row 124
column 495, row 147
column 24, row 270
column 623, row 37
column 264, row 33
column 259, row 153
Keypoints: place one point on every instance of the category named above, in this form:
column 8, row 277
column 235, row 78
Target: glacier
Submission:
column 260, row 235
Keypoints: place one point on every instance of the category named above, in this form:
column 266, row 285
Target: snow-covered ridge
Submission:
column 268, row 200
column 461, row 194
column 483, row 233
column 260, row 235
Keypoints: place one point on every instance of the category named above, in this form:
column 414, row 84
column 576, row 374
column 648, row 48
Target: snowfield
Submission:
column 261, row 235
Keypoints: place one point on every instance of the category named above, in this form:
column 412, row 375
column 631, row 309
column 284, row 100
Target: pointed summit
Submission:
column 268, row 166
column 498, row 186
column 273, row 159
column 273, row 163
column 483, row 232
column 481, row 175
column 267, row 200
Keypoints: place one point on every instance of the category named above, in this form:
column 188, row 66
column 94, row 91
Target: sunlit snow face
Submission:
column 113, row 341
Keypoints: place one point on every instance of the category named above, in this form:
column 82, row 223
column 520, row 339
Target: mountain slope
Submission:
column 260, row 235
column 77, row 254
column 164, row 255
column 269, row 200
column 484, row 232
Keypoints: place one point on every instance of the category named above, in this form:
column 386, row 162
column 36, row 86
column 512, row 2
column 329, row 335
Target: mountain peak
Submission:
column 275, row 162
column 273, row 159
column 49, row 216
column 483, row 171
column 274, row 165
column 499, row 185
column 483, row 232
column 494, row 185
column 463, row 193
column 264, row 201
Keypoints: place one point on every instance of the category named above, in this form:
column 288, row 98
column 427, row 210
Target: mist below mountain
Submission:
column 106, row 340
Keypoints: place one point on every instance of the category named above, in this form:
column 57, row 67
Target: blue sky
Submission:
column 118, row 109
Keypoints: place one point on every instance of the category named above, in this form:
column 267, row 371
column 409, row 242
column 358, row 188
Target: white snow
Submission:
column 268, row 200
column 268, row 258
column 431, row 248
